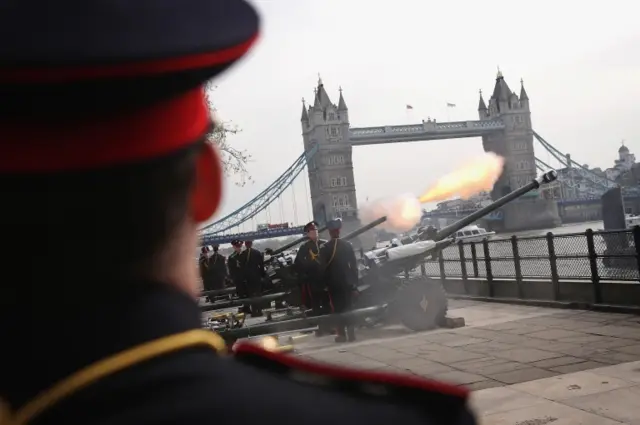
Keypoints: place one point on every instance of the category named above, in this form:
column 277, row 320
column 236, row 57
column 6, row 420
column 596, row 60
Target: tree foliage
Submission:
column 234, row 160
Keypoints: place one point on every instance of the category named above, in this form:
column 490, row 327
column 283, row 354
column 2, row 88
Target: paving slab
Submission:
column 544, row 413
column 620, row 405
column 505, row 346
column 571, row 385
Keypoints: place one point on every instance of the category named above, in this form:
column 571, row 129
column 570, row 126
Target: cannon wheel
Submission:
column 421, row 304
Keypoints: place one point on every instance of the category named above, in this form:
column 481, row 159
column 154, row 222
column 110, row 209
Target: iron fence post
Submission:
column 487, row 264
column 474, row 259
column 636, row 243
column 423, row 269
column 443, row 274
column 463, row 266
column 593, row 263
column 553, row 265
column 516, row 264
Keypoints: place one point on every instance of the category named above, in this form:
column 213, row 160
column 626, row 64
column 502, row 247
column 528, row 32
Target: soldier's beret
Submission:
column 88, row 84
column 312, row 225
column 335, row 224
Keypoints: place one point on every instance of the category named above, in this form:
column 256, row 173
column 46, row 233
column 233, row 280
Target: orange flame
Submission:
column 403, row 212
column 481, row 174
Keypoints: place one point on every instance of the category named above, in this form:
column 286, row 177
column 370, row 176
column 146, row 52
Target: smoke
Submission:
column 403, row 212
column 480, row 174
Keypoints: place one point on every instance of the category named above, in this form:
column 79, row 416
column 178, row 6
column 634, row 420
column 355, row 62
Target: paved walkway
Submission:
column 522, row 361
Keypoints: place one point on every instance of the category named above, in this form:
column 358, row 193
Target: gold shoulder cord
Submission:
column 104, row 368
column 333, row 253
column 314, row 254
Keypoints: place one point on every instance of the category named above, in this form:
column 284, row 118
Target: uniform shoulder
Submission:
column 446, row 402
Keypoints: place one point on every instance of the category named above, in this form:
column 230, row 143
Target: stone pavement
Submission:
column 603, row 396
column 523, row 359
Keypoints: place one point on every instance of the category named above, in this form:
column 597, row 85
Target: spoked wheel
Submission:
column 421, row 304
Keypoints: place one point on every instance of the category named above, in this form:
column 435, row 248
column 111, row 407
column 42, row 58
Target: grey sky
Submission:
column 580, row 62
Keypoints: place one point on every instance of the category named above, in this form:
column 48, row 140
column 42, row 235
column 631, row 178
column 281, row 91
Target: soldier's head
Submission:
column 215, row 248
column 237, row 245
column 103, row 146
column 311, row 230
column 248, row 244
column 334, row 227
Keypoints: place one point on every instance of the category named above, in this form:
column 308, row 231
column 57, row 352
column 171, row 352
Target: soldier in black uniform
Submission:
column 203, row 264
column 117, row 160
column 252, row 263
column 341, row 274
column 236, row 272
column 313, row 287
column 217, row 269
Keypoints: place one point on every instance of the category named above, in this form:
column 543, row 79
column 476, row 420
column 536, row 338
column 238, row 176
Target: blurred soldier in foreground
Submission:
column 102, row 127
column 313, row 288
column 252, row 263
column 217, row 269
column 341, row 275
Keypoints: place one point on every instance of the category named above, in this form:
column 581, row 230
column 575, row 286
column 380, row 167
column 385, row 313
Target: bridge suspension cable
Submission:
column 263, row 199
column 600, row 180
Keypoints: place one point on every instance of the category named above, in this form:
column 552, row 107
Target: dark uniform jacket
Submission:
column 196, row 386
column 203, row 264
column 252, row 262
column 217, row 270
column 236, row 271
column 340, row 264
column 307, row 262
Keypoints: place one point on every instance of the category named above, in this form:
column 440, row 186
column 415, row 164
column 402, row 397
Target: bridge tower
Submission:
column 331, row 179
column 515, row 144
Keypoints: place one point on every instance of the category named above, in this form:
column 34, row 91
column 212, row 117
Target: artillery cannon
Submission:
column 383, row 294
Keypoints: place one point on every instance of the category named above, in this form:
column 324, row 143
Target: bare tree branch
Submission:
column 234, row 160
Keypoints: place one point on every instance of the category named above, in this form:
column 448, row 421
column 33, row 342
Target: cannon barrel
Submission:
column 545, row 178
column 364, row 228
column 297, row 324
column 347, row 237
column 294, row 243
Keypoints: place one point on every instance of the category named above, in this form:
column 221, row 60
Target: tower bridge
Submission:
column 504, row 125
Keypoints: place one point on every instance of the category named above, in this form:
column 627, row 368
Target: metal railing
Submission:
column 595, row 256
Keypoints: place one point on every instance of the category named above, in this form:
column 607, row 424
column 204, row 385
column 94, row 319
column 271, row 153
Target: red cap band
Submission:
column 150, row 132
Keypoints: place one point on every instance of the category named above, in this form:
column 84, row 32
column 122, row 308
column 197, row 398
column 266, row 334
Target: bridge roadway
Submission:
column 429, row 130
column 218, row 239
column 525, row 365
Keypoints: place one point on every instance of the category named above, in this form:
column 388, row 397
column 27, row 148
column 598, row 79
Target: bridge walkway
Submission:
column 526, row 365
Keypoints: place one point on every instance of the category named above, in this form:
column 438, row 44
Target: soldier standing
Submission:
column 203, row 263
column 313, row 288
column 252, row 263
column 217, row 269
column 236, row 272
column 341, row 274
